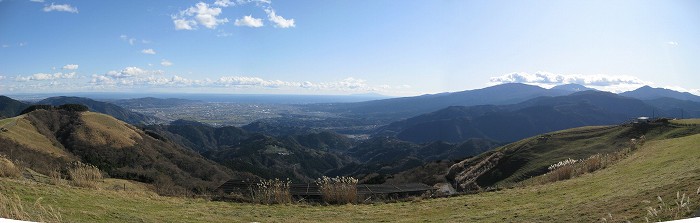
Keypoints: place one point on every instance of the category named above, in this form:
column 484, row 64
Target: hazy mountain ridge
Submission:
column 102, row 107
column 10, row 107
column 508, row 123
column 648, row 93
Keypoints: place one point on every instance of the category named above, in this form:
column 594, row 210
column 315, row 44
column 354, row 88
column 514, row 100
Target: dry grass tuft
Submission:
column 570, row 168
column 9, row 169
column 56, row 178
column 273, row 191
column 14, row 208
column 678, row 209
column 338, row 190
column 84, row 175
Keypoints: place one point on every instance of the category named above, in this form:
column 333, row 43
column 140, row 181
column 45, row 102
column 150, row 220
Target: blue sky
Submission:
column 344, row 47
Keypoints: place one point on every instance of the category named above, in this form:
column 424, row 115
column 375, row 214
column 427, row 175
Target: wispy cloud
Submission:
column 279, row 21
column 40, row 1
column 60, row 8
column 46, row 76
column 211, row 16
column 132, row 72
column 148, row 51
column 128, row 39
column 672, row 43
column 224, row 3
column 70, row 67
column 249, row 21
column 132, row 77
column 166, row 63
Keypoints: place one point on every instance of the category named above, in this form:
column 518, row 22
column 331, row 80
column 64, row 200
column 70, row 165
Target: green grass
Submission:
column 6, row 121
column 660, row 168
column 686, row 121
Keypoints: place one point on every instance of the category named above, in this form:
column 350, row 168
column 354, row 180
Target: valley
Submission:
column 473, row 153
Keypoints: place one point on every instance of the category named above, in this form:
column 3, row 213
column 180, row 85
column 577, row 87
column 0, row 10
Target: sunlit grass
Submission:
column 660, row 168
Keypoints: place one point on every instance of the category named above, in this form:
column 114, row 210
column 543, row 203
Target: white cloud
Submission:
column 128, row 39
column 238, row 81
column 166, row 63
column 279, row 21
column 5, row 46
column 60, row 8
column 200, row 14
column 552, row 78
column 22, row 44
column 40, row 1
column 70, row 67
column 148, row 51
column 672, row 43
column 224, row 3
column 45, row 76
column 132, row 72
column 249, row 21
column 184, row 24
column 612, row 83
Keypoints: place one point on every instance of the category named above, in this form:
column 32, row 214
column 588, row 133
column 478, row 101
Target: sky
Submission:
column 397, row 48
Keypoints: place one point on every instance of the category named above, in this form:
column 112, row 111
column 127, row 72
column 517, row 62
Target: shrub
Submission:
column 74, row 107
column 274, row 191
column 338, row 190
column 8, row 169
column 84, row 175
column 36, row 107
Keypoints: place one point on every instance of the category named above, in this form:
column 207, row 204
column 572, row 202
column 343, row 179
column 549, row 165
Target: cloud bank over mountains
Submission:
column 605, row 82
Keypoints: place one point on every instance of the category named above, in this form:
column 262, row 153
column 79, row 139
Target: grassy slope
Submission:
column 101, row 130
column 661, row 167
column 530, row 157
column 23, row 132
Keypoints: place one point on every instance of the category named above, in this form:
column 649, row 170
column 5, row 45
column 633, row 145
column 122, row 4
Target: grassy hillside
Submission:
column 530, row 157
column 49, row 141
column 661, row 167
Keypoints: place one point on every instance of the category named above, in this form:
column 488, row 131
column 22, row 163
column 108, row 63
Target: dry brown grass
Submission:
column 100, row 130
column 26, row 134
column 571, row 168
column 9, row 169
column 273, row 191
column 679, row 208
column 338, row 190
column 14, row 208
column 84, row 175
column 56, row 178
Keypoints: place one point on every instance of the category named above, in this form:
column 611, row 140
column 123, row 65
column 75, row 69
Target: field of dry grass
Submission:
column 23, row 132
column 101, row 129
column 624, row 190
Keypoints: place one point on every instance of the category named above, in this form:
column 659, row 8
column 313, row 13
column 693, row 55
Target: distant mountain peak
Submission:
column 572, row 87
column 647, row 93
